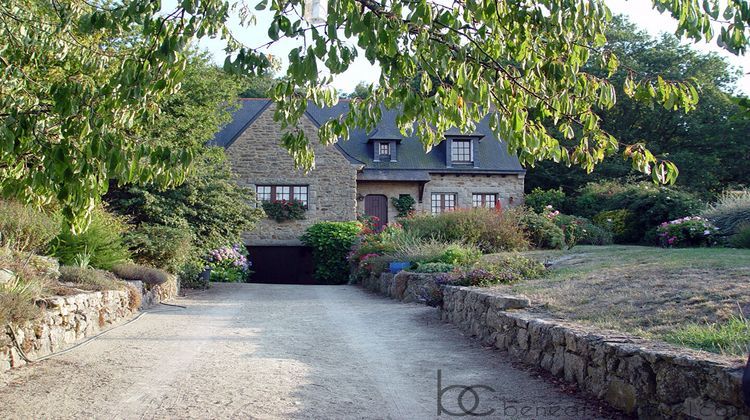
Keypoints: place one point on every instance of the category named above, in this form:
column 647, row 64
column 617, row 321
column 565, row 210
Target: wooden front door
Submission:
column 377, row 206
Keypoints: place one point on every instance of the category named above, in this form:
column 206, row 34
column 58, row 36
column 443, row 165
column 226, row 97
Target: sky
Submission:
column 639, row 11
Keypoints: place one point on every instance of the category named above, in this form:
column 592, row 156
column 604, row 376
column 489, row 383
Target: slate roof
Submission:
column 413, row 163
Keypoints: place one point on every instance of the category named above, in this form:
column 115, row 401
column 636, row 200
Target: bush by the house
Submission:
column 229, row 264
column 23, row 228
column 404, row 204
column 510, row 268
column 538, row 199
column 541, row 231
column 433, row 267
column 687, row 231
column 488, row 229
column 160, row 246
column 148, row 275
column 648, row 205
column 283, row 210
column 330, row 243
column 730, row 212
column 100, row 246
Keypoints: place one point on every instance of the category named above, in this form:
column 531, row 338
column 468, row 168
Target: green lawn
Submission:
column 698, row 297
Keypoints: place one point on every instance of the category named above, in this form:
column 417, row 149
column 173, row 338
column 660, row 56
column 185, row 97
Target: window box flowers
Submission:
column 283, row 210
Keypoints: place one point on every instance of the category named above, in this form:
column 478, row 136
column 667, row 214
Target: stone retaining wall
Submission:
column 154, row 294
column 641, row 377
column 65, row 320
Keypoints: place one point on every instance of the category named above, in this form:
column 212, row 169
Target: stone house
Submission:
column 360, row 175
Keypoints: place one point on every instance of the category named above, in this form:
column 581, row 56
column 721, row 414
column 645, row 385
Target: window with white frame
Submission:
column 282, row 192
column 488, row 201
column 461, row 151
column 384, row 150
column 442, row 202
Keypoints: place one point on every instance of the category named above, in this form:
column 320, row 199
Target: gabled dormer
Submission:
column 461, row 149
column 384, row 145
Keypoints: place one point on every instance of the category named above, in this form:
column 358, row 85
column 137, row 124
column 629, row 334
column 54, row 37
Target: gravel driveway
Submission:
column 281, row 351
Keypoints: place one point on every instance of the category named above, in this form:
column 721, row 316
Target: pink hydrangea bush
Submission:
column 690, row 231
column 229, row 264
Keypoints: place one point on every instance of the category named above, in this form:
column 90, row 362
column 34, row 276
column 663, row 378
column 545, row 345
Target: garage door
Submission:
column 281, row 264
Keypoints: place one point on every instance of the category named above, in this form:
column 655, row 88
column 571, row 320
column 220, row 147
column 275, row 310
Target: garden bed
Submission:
column 695, row 297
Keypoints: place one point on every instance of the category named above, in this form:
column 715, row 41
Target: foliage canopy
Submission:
column 81, row 77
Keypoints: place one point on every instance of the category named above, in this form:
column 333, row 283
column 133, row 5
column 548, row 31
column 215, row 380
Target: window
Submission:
column 384, row 150
column 442, row 202
column 263, row 192
column 282, row 192
column 461, row 151
column 484, row 200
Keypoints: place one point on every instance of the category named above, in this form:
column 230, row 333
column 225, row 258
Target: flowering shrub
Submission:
column 366, row 263
column 647, row 205
column 687, row 231
column 541, row 231
column 282, row 210
column 229, row 264
column 572, row 227
column 369, row 223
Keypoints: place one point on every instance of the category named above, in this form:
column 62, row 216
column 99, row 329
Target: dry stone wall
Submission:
column 65, row 320
column 640, row 377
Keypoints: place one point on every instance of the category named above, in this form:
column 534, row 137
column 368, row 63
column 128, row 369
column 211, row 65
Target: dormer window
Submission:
column 461, row 151
column 384, row 150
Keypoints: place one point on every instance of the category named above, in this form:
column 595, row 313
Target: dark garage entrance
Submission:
column 281, row 264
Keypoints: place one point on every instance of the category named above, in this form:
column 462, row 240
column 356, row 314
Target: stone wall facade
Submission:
column 258, row 158
column 65, row 320
column 390, row 190
column 640, row 377
column 509, row 190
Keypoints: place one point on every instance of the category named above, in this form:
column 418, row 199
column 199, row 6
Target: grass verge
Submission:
column 652, row 292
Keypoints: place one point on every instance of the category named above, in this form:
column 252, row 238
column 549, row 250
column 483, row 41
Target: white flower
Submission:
column 706, row 232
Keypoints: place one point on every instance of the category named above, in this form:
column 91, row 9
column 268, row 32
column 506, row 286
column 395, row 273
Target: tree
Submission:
column 705, row 144
column 361, row 91
column 79, row 75
column 209, row 205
